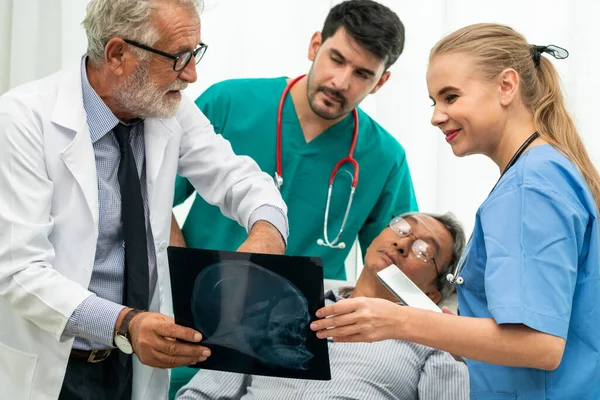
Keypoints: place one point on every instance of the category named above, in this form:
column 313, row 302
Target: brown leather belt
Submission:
column 91, row 356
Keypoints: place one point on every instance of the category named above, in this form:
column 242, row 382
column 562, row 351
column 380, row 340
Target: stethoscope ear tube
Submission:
column 458, row 281
column 349, row 159
column 455, row 277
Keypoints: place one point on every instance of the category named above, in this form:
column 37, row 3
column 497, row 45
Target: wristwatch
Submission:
column 122, row 335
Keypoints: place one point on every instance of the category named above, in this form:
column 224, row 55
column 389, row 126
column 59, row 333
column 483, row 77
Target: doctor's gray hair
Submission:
column 126, row 19
column 372, row 25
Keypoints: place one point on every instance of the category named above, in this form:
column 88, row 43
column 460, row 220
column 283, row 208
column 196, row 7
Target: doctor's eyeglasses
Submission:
column 420, row 248
column 180, row 60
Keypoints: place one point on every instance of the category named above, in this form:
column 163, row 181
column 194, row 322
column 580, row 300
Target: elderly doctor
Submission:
column 88, row 159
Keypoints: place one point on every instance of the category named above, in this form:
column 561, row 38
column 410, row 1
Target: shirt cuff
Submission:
column 273, row 215
column 94, row 319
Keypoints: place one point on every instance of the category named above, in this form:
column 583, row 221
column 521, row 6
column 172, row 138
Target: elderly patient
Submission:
column 425, row 247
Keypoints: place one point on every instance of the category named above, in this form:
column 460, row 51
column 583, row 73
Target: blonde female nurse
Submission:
column 529, row 289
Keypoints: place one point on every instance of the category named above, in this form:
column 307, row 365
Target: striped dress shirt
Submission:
column 92, row 323
column 391, row 369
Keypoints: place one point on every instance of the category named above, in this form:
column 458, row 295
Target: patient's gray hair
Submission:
column 458, row 239
column 126, row 19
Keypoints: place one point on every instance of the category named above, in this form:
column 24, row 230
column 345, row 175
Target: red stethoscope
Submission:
column 349, row 159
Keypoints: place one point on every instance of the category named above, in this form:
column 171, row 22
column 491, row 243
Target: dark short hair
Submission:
column 372, row 25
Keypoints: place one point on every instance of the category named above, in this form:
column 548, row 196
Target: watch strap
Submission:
column 123, row 329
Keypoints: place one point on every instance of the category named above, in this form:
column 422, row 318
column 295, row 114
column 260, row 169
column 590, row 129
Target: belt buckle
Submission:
column 97, row 356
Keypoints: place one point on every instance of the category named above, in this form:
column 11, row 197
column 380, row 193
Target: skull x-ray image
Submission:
column 269, row 322
column 253, row 310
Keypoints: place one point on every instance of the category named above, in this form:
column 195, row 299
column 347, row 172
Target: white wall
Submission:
column 38, row 37
column 270, row 38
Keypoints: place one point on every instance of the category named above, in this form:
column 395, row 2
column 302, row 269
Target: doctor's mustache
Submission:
column 333, row 93
column 177, row 85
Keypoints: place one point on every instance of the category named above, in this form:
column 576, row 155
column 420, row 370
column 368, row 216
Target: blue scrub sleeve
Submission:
column 397, row 197
column 531, row 238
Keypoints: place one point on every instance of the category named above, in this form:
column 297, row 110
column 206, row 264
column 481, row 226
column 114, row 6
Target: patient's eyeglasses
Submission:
column 180, row 60
column 420, row 248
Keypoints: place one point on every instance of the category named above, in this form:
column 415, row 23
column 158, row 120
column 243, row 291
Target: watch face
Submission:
column 123, row 344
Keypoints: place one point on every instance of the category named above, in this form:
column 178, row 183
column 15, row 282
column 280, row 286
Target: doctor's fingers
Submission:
column 157, row 359
column 170, row 329
column 175, row 348
column 144, row 325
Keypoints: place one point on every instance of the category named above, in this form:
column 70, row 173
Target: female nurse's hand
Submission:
column 361, row 319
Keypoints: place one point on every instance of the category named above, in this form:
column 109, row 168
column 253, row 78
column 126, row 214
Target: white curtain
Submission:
column 261, row 38
column 38, row 37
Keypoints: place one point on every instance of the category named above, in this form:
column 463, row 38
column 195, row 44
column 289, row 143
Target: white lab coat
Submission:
column 49, row 220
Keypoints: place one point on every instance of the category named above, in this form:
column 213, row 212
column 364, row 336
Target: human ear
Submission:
column 114, row 55
column 384, row 78
column 508, row 86
column 315, row 44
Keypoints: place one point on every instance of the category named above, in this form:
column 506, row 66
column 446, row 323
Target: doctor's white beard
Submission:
column 145, row 100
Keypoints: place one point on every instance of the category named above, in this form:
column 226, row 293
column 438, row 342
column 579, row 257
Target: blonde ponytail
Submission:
column 555, row 125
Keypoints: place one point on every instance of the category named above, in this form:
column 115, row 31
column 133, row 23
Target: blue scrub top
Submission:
column 533, row 260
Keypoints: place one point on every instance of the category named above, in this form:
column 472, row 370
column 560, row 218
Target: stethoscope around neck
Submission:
column 455, row 278
column 335, row 243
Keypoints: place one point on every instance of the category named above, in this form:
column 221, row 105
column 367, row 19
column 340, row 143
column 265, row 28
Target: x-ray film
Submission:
column 253, row 310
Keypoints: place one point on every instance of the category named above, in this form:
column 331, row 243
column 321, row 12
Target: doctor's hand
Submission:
column 361, row 319
column 153, row 337
column 263, row 238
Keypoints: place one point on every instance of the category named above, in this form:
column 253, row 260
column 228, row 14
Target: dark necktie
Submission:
column 136, row 288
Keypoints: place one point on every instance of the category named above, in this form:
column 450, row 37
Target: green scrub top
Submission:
column 244, row 111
